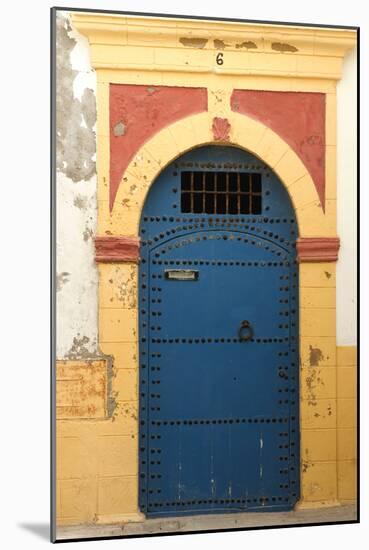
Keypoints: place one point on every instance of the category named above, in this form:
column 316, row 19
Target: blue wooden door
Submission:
column 218, row 339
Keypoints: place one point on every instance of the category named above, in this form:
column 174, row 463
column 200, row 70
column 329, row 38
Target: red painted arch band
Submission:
column 317, row 249
column 138, row 112
column 298, row 118
column 114, row 249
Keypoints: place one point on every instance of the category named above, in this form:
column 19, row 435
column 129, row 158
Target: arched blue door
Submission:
column 218, row 339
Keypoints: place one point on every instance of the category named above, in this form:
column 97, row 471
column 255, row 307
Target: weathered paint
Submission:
column 317, row 249
column 220, row 44
column 220, row 128
column 75, row 116
column 299, row 118
column 76, row 182
column 248, row 45
column 117, row 249
column 82, row 389
column 193, row 42
column 138, row 112
column 283, row 47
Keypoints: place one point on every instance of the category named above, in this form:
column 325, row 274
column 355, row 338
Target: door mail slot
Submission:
column 182, row 274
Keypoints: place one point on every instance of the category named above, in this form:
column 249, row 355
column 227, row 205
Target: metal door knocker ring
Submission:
column 245, row 331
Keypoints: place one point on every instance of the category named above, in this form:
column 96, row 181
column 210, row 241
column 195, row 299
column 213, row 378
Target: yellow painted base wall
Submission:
column 97, row 459
column 328, row 439
column 346, row 422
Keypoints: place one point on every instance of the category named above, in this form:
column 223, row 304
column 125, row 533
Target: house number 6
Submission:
column 219, row 59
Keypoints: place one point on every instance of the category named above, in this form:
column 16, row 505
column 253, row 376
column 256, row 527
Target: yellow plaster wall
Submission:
column 97, row 465
column 346, row 422
column 328, row 394
column 97, row 459
column 82, row 389
column 318, row 406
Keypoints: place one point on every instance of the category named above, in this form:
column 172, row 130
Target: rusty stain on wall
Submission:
column 75, row 119
column 124, row 286
column 81, row 389
column 315, row 356
column 248, row 45
column 310, row 384
column 305, row 465
column 220, row 44
column 313, row 381
column 193, row 42
column 127, row 412
column 282, row 47
column 84, row 387
column 111, row 395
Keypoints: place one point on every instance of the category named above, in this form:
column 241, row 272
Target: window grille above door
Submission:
column 220, row 192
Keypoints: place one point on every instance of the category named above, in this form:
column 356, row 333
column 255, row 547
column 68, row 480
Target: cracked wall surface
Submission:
column 77, row 278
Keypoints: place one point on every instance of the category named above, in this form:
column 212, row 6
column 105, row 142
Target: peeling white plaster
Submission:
column 77, row 297
column 77, row 274
column 82, row 81
column 80, row 56
column 83, row 122
column 80, row 60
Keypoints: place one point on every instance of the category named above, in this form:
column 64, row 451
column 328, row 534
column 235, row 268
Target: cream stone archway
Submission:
column 195, row 131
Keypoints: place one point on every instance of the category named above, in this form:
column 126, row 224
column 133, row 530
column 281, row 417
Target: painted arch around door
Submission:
column 218, row 338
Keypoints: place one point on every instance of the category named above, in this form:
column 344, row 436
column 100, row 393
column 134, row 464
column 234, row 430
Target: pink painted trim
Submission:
column 298, row 117
column 138, row 112
column 317, row 249
column 117, row 249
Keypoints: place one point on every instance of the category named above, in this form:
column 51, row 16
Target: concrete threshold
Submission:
column 209, row 522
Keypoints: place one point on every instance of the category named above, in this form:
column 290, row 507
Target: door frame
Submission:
column 317, row 249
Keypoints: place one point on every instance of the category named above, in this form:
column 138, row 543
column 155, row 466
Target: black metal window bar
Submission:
column 220, row 192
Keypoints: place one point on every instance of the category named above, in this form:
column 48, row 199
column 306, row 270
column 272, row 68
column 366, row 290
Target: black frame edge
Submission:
column 53, row 273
